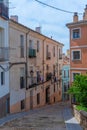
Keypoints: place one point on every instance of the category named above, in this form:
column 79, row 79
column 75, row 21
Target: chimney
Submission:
column 38, row 29
column 85, row 14
column 75, row 17
column 14, row 18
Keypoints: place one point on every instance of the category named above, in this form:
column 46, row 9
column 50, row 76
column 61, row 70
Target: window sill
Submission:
column 76, row 60
column 76, row 38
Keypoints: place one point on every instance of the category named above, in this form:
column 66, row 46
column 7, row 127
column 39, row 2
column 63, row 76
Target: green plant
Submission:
column 79, row 89
column 78, row 107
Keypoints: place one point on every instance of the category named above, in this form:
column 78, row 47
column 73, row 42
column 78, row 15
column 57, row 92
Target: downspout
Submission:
column 57, row 60
column 43, row 56
column 26, row 67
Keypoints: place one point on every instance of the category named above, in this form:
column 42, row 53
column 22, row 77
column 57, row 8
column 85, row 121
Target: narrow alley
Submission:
column 51, row 117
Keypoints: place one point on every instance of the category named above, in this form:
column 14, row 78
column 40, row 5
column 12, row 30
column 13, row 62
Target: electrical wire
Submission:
column 66, row 11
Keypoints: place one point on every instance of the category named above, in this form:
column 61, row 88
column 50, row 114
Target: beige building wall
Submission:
column 17, row 62
column 35, row 93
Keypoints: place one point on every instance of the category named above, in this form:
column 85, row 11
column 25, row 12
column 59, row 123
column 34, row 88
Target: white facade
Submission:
column 4, row 87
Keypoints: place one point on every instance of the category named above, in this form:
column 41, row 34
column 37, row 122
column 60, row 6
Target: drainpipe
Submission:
column 57, row 60
column 26, row 65
column 43, row 56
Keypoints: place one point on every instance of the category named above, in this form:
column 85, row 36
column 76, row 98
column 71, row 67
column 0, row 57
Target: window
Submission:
column 47, row 67
column 54, row 87
column 59, row 93
column 54, row 70
column 22, row 74
column 54, row 51
column 38, row 46
column 54, row 99
column 22, row 104
column 30, row 44
column 68, row 73
column 38, row 98
column 65, row 87
column 68, row 85
column 47, row 51
column 74, row 74
column 76, row 33
column 60, row 53
column 2, row 78
column 21, row 82
column 64, row 73
column 76, row 55
column 22, row 45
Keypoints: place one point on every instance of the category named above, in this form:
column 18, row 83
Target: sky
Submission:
column 52, row 22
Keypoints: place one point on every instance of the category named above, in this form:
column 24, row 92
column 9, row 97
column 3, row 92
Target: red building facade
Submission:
column 78, row 45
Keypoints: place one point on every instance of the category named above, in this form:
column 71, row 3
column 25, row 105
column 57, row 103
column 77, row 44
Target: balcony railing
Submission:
column 54, row 79
column 32, row 53
column 32, row 82
column 48, row 56
column 4, row 54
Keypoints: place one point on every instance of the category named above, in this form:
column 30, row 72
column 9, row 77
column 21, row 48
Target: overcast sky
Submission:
column 53, row 22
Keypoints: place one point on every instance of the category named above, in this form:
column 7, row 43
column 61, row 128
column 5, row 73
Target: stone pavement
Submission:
column 70, row 121
column 50, row 117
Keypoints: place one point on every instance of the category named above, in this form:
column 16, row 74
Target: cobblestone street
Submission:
column 51, row 117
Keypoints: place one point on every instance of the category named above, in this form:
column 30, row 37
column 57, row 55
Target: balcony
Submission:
column 32, row 82
column 4, row 54
column 48, row 56
column 54, row 79
column 3, row 10
column 32, row 53
column 60, row 56
column 60, row 72
column 48, row 76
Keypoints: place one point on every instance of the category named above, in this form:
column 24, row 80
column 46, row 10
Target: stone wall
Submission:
column 81, row 116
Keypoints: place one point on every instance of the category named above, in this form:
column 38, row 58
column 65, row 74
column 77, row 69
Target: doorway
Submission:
column 7, row 106
column 31, row 99
column 48, row 95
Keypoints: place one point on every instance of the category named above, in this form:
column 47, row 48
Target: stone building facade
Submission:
column 32, row 64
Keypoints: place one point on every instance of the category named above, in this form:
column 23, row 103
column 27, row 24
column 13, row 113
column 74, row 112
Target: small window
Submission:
column 2, row 78
column 68, row 85
column 54, row 99
column 59, row 92
column 65, row 87
column 68, row 73
column 22, row 46
column 54, row 51
column 47, row 50
column 60, row 53
column 74, row 75
column 30, row 44
column 54, row 87
column 76, row 33
column 38, row 46
column 76, row 55
column 38, row 98
column 22, row 104
column 22, row 82
column 64, row 73
column 47, row 67
column 22, row 75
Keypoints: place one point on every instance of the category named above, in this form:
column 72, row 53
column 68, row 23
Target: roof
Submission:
column 35, row 31
column 81, row 22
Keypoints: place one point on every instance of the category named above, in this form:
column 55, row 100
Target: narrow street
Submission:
column 51, row 117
